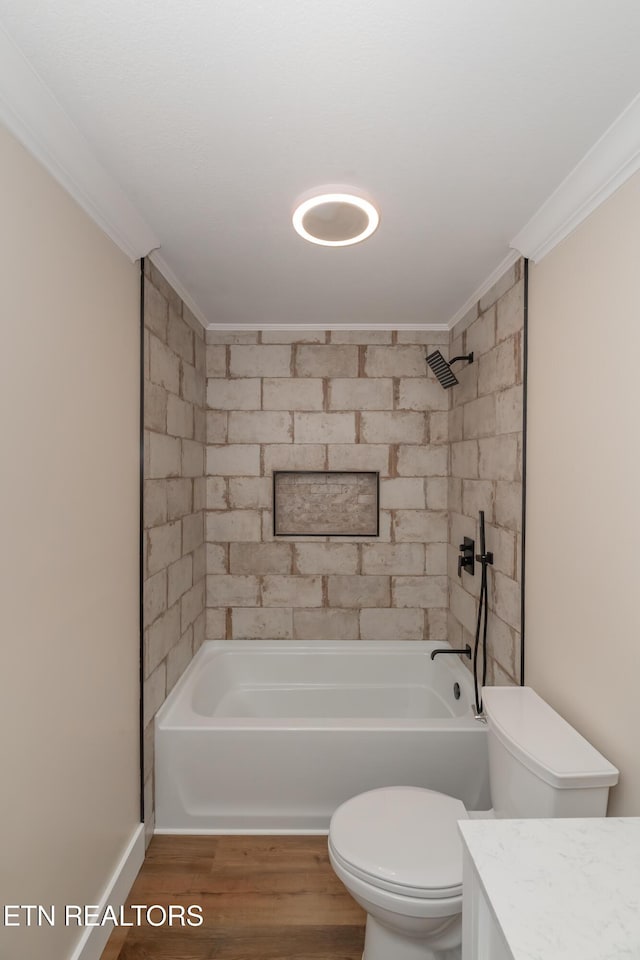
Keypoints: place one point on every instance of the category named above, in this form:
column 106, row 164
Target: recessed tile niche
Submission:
column 325, row 504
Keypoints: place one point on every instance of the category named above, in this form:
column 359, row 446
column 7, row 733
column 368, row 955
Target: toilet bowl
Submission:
column 398, row 850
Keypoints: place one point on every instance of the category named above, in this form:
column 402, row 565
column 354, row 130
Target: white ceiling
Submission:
column 458, row 117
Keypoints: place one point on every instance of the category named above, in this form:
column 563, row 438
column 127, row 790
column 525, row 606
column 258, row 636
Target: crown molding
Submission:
column 484, row 287
column 305, row 327
column 33, row 115
column 604, row 168
column 156, row 258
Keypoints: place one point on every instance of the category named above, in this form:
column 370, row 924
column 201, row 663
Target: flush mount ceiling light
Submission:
column 335, row 219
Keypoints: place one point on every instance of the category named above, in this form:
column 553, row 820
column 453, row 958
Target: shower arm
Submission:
column 467, row 356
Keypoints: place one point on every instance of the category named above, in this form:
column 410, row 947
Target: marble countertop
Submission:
column 561, row 889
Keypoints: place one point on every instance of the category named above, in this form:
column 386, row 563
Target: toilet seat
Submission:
column 401, row 839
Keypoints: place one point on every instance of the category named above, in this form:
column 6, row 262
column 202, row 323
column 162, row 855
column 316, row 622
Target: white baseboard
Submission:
column 94, row 939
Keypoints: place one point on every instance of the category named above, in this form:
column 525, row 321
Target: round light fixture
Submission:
column 335, row 219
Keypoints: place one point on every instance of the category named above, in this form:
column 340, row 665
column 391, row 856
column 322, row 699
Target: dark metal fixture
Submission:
column 523, row 538
column 466, row 652
column 465, row 559
column 141, row 552
column 442, row 367
column 485, row 557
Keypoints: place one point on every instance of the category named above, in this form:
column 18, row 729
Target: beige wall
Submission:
column 335, row 400
column 583, row 520
column 69, row 596
column 174, row 489
column 485, row 430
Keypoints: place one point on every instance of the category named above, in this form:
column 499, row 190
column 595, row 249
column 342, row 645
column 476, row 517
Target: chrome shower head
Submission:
column 442, row 368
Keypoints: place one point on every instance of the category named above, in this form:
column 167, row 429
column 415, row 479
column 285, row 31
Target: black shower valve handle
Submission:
column 464, row 562
column 465, row 557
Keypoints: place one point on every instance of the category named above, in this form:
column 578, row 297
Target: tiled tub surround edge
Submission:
column 485, row 433
column 174, row 500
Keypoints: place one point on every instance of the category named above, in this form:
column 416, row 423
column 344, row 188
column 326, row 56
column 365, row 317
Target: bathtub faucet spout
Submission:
column 466, row 652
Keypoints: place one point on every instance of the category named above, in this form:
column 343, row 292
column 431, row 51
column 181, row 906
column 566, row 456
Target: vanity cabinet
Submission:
column 482, row 938
column 563, row 889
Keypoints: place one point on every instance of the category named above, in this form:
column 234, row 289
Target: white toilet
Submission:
column 398, row 850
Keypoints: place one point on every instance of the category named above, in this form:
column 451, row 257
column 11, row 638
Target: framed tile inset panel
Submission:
column 328, row 503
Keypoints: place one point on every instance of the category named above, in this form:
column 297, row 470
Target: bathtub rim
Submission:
column 167, row 718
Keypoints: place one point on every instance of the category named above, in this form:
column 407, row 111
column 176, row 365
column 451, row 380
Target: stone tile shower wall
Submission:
column 485, row 430
column 174, row 498
column 325, row 401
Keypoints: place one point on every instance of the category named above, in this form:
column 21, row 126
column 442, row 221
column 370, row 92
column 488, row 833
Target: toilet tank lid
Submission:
column 543, row 742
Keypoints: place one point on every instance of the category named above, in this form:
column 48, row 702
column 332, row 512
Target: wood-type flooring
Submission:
column 262, row 898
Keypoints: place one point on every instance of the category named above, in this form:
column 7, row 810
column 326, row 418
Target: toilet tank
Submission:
column 539, row 766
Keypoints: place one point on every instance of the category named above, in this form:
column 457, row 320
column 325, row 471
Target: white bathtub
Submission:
column 270, row 737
